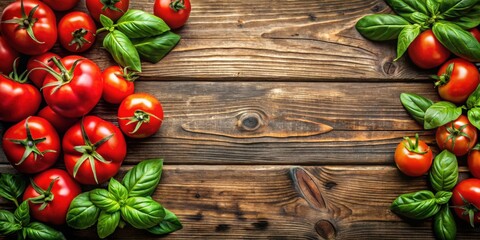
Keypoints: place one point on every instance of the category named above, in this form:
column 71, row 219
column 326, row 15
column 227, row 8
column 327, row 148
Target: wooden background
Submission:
column 280, row 123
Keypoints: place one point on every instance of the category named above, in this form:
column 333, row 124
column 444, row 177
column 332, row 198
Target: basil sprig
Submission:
column 139, row 24
column 418, row 205
column 444, row 173
column 415, row 105
column 444, row 224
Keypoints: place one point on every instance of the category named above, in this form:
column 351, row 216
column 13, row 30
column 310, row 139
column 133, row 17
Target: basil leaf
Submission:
column 469, row 20
column 107, row 223
column 169, row 224
column 12, row 186
column 433, row 7
column 381, row 27
column 443, row 197
column 142, row 180
column 8, row 225
column 153, row 49
column 40, row 231
column 122, row 50
column 474, row 117
column 456, row 8
column 418, row 205
column 117, row 189
column 22, row 213
column 474, row 99
column 142, row 213
column 419, row 18
column 405, row 8
column 406, row 37
column 444, row 173
column 444, row 224
column 441, row 113
column 104, row 200
column 82, row 213
column 457, row 40
column 140, row 24
column 415, row 105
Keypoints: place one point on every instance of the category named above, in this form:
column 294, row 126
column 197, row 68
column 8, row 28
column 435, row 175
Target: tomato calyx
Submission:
column 469, row 209
column 45, row 196
column 177, row 5
column 79, row 38
column 454, row 133
column 139, row 117
column 22, row 78
column 89, row 153
column 129, row 76
column 413, row 146
column 26, row 22
column 64, row 77
column 110, row 4
column 444, row 78
column 30, row 145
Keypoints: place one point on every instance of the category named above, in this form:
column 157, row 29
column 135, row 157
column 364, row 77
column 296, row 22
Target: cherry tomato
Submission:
column 476, row 33
column 8, row 56
column 427, row 52
column 474, row 162
column 466, row 200
column 61, row 5
column 94, row 150
column 458, row 136
column 114, row 9
column 140, row 115
column 76, row 31
column 31, row 145
column 50, row 194
column 457, row 79
column 59, row 122
column 76, row 89
column 117, row 84
column 42, row 24
column 37, row 76
column 413, row 158
column 175, row 13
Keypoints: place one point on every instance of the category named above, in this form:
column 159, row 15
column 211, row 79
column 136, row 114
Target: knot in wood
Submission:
column 250, row 121
column 389, row 67
column 325, row 229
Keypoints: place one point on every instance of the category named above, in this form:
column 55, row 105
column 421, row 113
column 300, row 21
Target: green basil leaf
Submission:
column 457, row 40
column 469, row 20
column 444, row 173
column 444, row 224
column 122, row 50
column 12, row 186
column 117, row 189
column 419, row 18
column 433, row 6
column 169, row 224
column 40, row 231
column 443, row 197
column 456, row 8
column 441, row 113
column 82, row 213
column 474, row 117
column 107, row 223
column 381, row 27
column 418, row 205
column 106, row 21
column 153, row 49
column 415, row 105
column 142, row 213
column 22, row 213
column 405, row 8
column 8, row 225
column 142, row 180
column 104, row 200
column 474, row 99
column 406, row 37
column 140, row 24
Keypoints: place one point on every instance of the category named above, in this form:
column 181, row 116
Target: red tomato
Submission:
column 175, row 13
column 50, row 194
column 413, row 158
column 474, row 162
column 42, row 24
column 117, row 84
column 476, row 33
column 8, row 56
column 31, row 145
column 76, row 89
column 59, row 122
column 427, row 52
column 140, row 115
column 457, row 79
column 113, row 9
column 466, row 200
column 37, row 76
column 458, row 136
column 76, row 31
column 61, row 5
column 94, row 150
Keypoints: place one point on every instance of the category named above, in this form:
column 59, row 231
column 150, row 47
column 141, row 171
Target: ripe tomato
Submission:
column 76, row 31
column 18, row 99
column 59, row 122
column 8, row 56
column 474, row 162
column 413, row 158
column 50, row 194
column 21, row 17
column 427, row 52
column 31, row 145
column 456, row 80
column 117, row 84
column 466, row 200
column 114, row 9
column 75, row 89
column 94, row 150
column 37, row 76
column 458, row 136
column 140, row 115
column 61, row 5
column 476, row 33
column 175, row 13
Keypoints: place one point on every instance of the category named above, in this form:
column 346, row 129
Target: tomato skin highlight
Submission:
column 59, row 122
column 61, row 5
column 37, row 76
column 151, row 112
column 7, row 55
column 469, row 189
column 115, row 86
column 18, row 100
column 95, row 8
column 411, row 163
column 463, row 81
column 76, row 32
column 174, row 19
column 458, row 144
column 427, row 52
